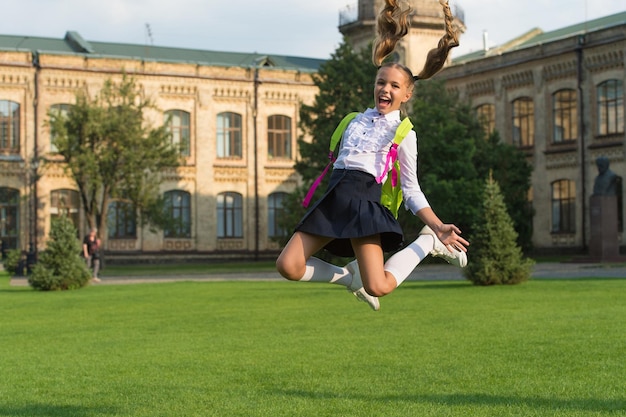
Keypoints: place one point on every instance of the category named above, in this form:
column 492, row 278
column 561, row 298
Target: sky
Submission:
column 305, row 28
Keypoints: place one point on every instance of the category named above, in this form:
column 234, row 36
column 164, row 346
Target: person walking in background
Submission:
column 349, row 219
column 91, row 252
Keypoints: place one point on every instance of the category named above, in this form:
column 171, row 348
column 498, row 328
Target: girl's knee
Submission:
column 289, row 269
column 379, row 289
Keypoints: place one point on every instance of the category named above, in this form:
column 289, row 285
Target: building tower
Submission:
column 427, row 27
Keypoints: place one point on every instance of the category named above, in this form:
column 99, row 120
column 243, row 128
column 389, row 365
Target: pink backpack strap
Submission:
column 392, row 156
column 334, row 140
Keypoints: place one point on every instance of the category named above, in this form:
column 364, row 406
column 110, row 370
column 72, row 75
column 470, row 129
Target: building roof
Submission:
column 74, row 44
column 537, row 36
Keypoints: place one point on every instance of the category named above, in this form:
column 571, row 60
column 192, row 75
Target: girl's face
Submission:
column 392, row 88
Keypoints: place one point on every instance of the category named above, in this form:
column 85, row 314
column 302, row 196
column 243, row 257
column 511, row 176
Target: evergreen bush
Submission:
column 496, row 257
column 60, row 266
column 13, row 263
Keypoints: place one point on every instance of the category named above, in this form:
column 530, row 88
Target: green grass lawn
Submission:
column 544, row 348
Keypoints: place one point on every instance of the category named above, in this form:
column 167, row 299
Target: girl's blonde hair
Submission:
column 393, row 24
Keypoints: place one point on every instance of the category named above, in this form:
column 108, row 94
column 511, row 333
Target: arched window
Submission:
column 9, row 220
column 59, row 110
column 279, row 137
column 565, row 116
column 121, row 220
column 610, row 107
column 523, row 122
column 178, row 124
column 229, row 135
column 9, row 127
column 486, row 114
column 178, row 210
column 563, row 206
column 229, row 215
column 66, row 202
column 275, row 211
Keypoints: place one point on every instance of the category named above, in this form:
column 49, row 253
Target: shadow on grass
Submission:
column 46, row 410
column 478, row 399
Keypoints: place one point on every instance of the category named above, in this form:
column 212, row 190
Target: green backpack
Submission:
column 391, row 196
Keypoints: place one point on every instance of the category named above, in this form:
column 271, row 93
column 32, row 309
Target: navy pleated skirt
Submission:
column 351, row 208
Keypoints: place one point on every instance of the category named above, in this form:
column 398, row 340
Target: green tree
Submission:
column 447, row 132
column 496, row 257
column 512, row 172
column 111, row 153
column 60, row 266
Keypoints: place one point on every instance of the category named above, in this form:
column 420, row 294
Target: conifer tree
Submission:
column 60, row 266
column 495, row 256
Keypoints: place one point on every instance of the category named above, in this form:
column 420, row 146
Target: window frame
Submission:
column 229, row 135
column 565, row 110
column 563, row 206
column 610, row 112
column 180, row 133
column 62, row 109
column 276, row 210
column 71, row 210
column 179, row 212
column 121, row 220
column 523, row 118
column 9, row 216
column 229, row 215
column 279, row 136
column 10, row 122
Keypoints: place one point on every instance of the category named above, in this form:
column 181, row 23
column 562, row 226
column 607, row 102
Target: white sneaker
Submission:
column 454, row 257
column 356, row 287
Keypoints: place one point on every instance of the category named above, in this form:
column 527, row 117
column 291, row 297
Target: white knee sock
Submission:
column 320, row 271
column 402, row 263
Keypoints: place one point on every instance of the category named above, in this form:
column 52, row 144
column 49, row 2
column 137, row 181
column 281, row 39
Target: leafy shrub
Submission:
column 496, row 258
column 12, row 263
column 60, row 266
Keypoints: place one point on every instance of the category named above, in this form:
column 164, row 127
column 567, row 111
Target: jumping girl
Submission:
column 349, row 219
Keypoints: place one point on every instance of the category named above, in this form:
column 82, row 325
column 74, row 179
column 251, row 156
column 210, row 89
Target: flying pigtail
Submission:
column 391, row 26
column 436, row 57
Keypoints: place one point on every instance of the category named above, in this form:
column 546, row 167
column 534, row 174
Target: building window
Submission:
column 523, row 122
column 486, row 114
column 121, row 220
column 610, row 107
column 563, row 206
column 178, row 126
column 58, row 110
column 9, row 127
column 565, row 114
column 275, row 211
column 9, row 220
column 279, row 137
column 229, row 215
column 178, row 210
column 229, row 135
column 65, row 203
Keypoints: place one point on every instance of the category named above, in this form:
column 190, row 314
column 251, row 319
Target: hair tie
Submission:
column 416, row 78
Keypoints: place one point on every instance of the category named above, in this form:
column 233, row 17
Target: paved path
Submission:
column 436, row 272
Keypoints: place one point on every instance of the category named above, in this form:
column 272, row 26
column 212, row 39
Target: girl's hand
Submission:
column 450, row 235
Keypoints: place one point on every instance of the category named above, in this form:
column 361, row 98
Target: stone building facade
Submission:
column 237, row 113
column 559, row 97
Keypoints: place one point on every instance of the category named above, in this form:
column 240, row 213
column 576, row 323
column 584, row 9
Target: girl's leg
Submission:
column 369, row 255
column 402, row 263
column 295, row 262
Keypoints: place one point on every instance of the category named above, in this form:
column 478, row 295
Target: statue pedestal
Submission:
column 603, row 243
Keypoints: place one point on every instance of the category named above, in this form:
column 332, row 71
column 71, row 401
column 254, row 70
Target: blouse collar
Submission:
column 391, row 116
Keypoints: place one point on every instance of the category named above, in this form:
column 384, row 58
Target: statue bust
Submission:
column 606, row 181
